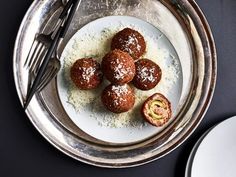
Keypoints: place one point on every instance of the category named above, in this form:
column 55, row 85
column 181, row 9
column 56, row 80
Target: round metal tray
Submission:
column 187, row 29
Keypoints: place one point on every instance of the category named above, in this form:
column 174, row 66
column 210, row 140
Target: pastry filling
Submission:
column 157, row 109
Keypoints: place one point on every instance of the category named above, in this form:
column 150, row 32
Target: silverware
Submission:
column 53, row 46
column 40, row 45
column 33, row 63
column 37, row 52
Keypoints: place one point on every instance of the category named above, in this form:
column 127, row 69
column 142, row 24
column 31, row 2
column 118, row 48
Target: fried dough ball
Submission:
column 131, row 41
column 118, row 98
column 157, row 110
column 118, row 67
column 86, row 73
column 148, row 74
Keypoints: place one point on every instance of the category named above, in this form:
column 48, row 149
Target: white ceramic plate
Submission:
column 93, row 120
column 193, row 152
column 215, row 156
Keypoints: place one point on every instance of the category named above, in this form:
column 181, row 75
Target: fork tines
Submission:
column 35, row 51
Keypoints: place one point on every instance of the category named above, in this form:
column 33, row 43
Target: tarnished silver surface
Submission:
column 180, row 20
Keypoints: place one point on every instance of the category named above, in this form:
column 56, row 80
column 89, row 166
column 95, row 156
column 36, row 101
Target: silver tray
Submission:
column 194, row 43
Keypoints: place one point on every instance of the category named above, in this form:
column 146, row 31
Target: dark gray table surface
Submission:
column 24, row 152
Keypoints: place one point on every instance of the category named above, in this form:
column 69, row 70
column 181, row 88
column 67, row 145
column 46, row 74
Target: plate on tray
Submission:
column 181, row 29
column 85, row 107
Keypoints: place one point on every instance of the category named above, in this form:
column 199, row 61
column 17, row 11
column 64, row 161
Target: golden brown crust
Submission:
column 118, row 98
column 131, row 41
column 118, row 67
column 148, row 74
column 86, row 73
column 164, row 111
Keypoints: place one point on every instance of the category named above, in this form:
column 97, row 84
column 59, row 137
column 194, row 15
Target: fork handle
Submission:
column 69, row 18
column 65, row 9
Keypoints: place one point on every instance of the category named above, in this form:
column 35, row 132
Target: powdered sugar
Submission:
column 146, row 74
column 87, row 73
column 120, row 72
column 132, row 41
column 119, row 89
column 120, row 92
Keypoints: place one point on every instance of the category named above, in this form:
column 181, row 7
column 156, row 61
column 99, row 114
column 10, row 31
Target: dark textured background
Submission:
column 24, row 152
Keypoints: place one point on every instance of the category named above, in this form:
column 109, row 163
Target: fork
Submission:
column 40, row 45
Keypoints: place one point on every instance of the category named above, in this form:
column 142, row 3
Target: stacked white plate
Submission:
column 214, row 154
